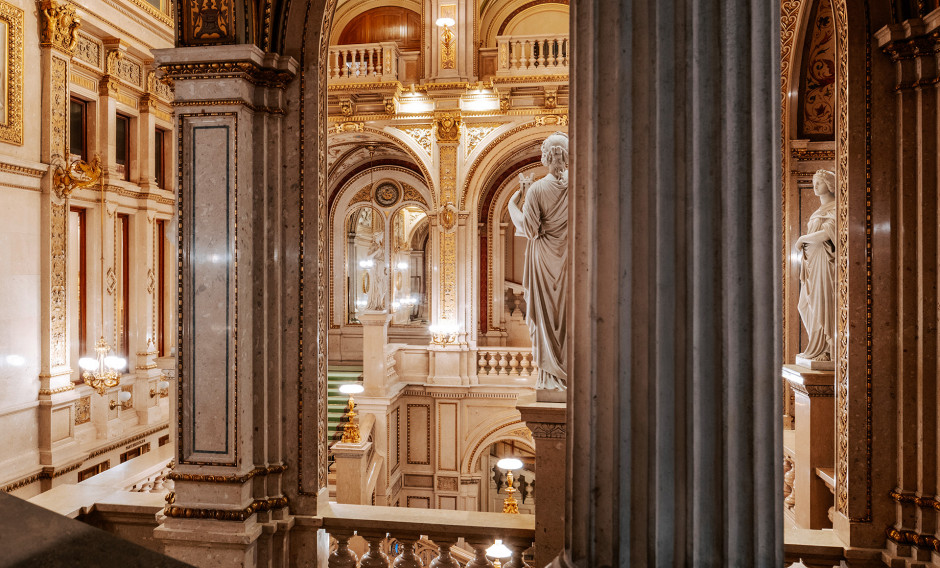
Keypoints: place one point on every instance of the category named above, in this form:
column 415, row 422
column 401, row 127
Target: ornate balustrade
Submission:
column 377, row 525
column 506, row 362
column 532, row 54
column 364, row 62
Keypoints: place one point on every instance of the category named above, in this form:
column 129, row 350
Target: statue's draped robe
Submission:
column 817, row 304
column 544, row 221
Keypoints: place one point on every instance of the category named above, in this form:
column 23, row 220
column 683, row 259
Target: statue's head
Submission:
column 555, row 152
column 824, row 181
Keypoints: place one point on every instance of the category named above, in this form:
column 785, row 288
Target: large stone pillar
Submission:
column 673, row 413
column 229, row 507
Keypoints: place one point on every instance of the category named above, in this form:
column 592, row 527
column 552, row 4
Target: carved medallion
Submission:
column 387, row 194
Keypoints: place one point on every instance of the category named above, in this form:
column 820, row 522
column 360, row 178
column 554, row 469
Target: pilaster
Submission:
column 57, row 445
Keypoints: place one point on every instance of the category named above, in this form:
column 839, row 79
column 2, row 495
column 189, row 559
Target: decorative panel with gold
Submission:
column 11, row 100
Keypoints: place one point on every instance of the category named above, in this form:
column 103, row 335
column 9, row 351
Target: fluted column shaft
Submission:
column 673, row 441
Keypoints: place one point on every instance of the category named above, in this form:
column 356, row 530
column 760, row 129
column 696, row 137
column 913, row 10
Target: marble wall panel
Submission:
column 419, row 428
column 447, row 445
column 209, row 331
column 19, row 288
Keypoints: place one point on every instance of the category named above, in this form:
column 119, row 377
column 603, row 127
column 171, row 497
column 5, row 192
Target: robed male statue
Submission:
column 542, row 216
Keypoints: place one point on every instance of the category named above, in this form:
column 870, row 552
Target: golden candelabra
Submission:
column 351, row 428
column 510, row 505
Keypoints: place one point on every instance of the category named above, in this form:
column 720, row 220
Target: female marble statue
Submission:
column 543, row 219
column 378, row 274
column 817, row 304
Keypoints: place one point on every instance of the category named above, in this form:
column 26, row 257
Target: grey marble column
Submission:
column 674, row 438
column 230, row 506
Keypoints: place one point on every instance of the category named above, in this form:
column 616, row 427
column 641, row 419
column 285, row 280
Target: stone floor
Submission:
column 32, row 536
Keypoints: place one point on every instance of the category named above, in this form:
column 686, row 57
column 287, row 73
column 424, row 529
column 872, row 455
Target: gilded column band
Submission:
column 448, row 136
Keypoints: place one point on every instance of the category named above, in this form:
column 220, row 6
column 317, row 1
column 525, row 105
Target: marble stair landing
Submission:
column 32, row 536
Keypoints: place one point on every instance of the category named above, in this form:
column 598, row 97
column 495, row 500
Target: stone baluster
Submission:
column 543, row 48
column 503, row 364
column 528, row 54
column 406, row 557
column 526, row 364
column 493, row 370
column 444, row 559
column 518, row 548
column 517, row 57
column 514, row 363
column 374, row 558
column 344, row 70
column 380, row 64
column 334, row 63
column 481, row 363
column 342, row 557
column 479, row 549
column 369, row 54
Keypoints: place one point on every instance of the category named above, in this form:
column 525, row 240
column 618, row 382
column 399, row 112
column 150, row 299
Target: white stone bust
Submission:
column 543, row 219
column 817, row 305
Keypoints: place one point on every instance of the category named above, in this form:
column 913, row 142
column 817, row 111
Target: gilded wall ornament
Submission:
column 75, row 175
column 348, row 127
column 387, row 194
column 547, row 119
column 208, row 22
column 88, row 51
column 11, row 101
column 346, row 107
column 448, row 218
column 59, row 357
column 390, row 106
column 551, row 98
column 448, row 128
column 59, row 26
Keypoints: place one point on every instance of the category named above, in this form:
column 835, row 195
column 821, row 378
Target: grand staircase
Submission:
column 338, row 375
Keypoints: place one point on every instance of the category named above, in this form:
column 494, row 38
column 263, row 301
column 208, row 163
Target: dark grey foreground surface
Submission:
column 31, row 536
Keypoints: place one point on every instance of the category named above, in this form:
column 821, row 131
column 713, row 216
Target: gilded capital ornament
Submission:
column 448, row 128
column 58, row 26
column 75, row 175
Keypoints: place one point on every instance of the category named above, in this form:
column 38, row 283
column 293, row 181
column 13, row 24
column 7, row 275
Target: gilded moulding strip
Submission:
column 256, row 506
column 204, row 478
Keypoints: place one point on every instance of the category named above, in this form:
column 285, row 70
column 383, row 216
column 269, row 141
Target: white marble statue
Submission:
column 817, row 250
column 378, row 274
column 543, row 219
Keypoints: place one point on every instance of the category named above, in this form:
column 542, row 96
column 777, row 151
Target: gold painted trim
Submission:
column 50, row 392
column 258, row 505
column 203, row 478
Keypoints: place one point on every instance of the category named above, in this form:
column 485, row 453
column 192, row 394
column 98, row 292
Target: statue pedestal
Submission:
column 548, row 423
column 816, row 365
column 374, row 340
column 551, row 395
column 814, row 419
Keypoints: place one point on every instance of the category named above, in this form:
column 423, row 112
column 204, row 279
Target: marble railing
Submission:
column 401, row 532
column 364, row 62
column 506, row 361
column 533, row 54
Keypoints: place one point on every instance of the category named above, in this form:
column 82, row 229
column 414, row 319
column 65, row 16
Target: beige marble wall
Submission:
column 79, row 421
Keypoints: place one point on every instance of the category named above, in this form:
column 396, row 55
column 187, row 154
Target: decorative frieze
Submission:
column 88, row 50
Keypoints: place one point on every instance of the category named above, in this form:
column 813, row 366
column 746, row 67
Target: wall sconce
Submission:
column 351, row 429
column 103, row 371
column 444, row 333
column 509, row 464
column 162, row 390
column 498, row 551
column 123, row 398
column 448, row 50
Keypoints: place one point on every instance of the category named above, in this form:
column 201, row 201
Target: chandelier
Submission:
column 103, row 371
